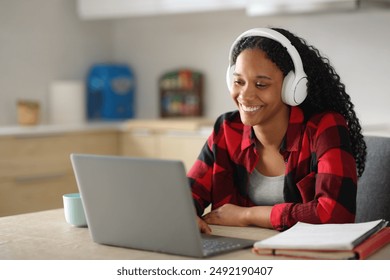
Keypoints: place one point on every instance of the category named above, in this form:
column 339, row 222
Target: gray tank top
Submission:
column 264, row 190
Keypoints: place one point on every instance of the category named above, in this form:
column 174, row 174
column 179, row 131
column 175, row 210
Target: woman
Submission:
column 283, row 156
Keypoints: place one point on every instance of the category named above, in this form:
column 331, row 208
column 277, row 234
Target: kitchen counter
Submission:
column 58, row 129
column 183, row 125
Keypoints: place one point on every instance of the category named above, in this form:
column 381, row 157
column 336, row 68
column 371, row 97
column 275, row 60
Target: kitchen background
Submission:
column 46, row 40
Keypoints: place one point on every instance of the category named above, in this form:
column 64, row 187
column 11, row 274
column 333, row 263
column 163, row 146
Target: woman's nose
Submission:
column 247, row 93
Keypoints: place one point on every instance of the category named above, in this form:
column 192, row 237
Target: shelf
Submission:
column 181, row 94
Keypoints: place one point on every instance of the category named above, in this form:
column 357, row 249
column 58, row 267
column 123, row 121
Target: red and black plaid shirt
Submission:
column 320, row 179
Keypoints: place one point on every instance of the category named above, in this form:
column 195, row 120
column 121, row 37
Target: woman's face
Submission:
column 257, row 88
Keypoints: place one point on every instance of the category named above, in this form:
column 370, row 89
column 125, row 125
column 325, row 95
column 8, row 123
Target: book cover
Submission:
column 328, row 241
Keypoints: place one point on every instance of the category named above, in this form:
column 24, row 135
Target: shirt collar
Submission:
column 291, row 139
column 295, row 125
column 248, row 137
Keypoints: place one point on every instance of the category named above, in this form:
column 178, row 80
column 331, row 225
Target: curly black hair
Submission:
column 325, row 90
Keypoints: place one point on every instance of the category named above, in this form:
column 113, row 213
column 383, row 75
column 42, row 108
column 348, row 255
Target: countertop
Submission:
column 184, row 125
column 56, row 129
column 187, row 125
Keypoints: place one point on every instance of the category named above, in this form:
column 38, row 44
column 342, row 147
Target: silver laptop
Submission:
column 144, row 204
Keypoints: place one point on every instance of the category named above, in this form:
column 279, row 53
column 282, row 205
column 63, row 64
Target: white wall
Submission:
column 42, row 41
column 357, row 44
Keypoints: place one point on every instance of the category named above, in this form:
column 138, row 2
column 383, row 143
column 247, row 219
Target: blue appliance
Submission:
column 110, row 92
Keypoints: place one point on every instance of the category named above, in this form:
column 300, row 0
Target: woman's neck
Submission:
column 271, row 134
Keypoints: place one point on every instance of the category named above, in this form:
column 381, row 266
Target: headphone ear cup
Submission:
column 288, row 89
column 229, row 77
column 300, row 90
column 294, row 91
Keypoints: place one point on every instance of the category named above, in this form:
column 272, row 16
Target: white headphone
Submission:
column 294, row 89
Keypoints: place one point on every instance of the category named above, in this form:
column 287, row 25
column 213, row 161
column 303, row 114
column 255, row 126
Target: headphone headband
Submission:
column 295, row 82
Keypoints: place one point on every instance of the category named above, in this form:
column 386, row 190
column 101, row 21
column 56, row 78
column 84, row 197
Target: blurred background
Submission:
column 146, row 78
column 42, row 41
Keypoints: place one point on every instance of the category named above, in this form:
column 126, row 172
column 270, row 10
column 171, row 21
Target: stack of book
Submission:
column 327, row 241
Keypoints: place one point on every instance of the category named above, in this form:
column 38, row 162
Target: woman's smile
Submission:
column 250, row 109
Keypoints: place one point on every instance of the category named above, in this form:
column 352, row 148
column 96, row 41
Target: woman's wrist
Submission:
column 257, row 216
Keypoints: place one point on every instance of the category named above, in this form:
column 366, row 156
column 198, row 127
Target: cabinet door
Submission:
column 140, row 143
column 34, row 156
column 35, row 171
column 104, row 143
column 35, row 193
column 182, row 147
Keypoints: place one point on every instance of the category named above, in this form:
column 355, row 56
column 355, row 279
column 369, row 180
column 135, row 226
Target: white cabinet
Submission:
column 99, row 9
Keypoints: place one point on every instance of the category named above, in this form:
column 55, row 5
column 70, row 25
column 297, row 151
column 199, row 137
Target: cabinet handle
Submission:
column 39, row 135
column 35, row 178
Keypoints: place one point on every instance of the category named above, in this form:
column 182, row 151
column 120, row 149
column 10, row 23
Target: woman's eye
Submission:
column 238, row 82
column 260, row 85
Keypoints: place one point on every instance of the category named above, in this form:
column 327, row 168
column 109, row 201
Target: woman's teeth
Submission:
column 250, row 108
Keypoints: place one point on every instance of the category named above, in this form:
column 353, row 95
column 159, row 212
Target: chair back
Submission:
column 373, row 191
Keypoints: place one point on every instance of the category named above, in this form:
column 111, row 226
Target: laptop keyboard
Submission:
column 213, row 245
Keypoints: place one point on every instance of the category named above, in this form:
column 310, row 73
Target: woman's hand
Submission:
column 227, row 215
column 203, row 226
column 233, row 215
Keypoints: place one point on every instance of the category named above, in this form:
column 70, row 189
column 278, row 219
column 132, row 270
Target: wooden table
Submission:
column 46, row 236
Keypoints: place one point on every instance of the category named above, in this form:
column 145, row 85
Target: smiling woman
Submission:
column 292, row 151
column 256, row 90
